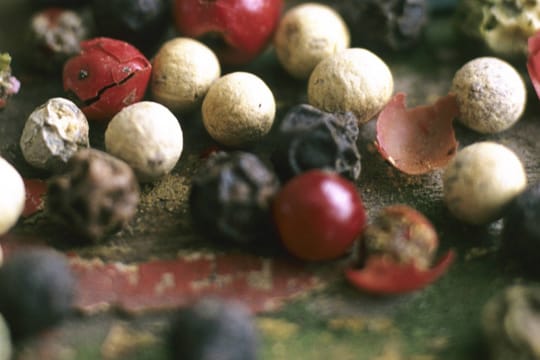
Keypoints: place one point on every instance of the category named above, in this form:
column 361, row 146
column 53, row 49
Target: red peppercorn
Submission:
column 319, row 215
column 106, row 76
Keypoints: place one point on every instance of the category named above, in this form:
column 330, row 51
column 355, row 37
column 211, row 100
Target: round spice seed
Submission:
column 148, row 137
column 239, row 109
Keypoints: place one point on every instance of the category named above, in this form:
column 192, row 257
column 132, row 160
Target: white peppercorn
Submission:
column 239, row 109
column 490, row 93
column 183, row 70
column 148, row 137
column 5, row 340
column 54, row 132
column 481, row 180
column 353, row 80
column 12, row 196
column 307, row 34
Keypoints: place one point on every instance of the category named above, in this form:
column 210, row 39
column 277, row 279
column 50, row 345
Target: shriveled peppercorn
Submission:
column 140, row 23
column 230, row 199
column 511, row 323
column 521, row 232
column 53, row 132
column 54, row 37
column 394, row 24
column 213, row 329
column 309, row 138
column 37, row 290
column 95, row 196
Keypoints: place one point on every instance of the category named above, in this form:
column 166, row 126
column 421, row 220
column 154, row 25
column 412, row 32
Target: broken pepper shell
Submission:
column 383, row 276
column 418, row 140
column 533, row 61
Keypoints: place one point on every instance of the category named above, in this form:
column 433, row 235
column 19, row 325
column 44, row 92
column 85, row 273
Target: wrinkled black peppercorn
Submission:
column 213, row 329
column 140, row 23
column 95, row 196
column 521, row 231
column 309, row 138
column 37, row 290
column 230, row 199
column 511, row 323
column 393, row 24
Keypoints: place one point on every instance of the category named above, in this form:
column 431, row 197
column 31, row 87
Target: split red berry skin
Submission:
column 319, row 215
column 245, row 26
column 106, row 76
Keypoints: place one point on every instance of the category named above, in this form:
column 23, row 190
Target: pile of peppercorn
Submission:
column 303, row 197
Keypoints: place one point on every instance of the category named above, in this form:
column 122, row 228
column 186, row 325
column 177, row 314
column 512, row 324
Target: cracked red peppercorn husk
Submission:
column 95, row 196
column 309, row 138
column 230, row 199
column 396, row 252
column 393, row 24
column 106, row 76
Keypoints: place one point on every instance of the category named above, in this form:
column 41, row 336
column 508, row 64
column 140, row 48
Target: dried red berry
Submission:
column 106, row 76
column 319, row 215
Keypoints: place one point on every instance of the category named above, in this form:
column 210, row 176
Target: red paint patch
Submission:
column 420, row 139
column 261, row 283
column 35, row 191
column 383, row 276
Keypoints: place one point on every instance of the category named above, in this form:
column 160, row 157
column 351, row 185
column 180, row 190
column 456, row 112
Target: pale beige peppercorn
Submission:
column 12, row 196
column 183, row 70
column 148, row 137
column 307, row 34
column 490, row 93
column 239, row 109
column 481, row 180
column 353, row 80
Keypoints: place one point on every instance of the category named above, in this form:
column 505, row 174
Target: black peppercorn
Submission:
column 37, row 290
column 521, row 231
column 230, row 199
column 213, row 329
column 95, row 196
column 511, row 323
column 140, row 23
column 393, row 24
column 309, row 138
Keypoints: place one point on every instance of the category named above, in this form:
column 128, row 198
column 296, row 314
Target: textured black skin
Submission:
column 141, row 23
column 521, row 232
column 230, row 199
column 213, row 330
column 309, row 138
column 37, row 290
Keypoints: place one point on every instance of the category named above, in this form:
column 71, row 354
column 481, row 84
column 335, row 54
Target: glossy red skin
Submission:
column 247, row 26
column 117, row 76
column 318, row 215
column 384, row 276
